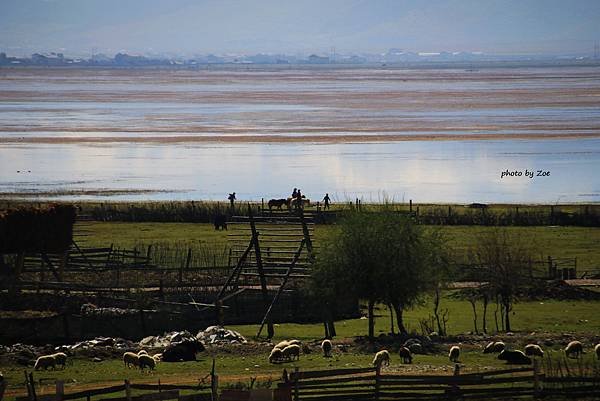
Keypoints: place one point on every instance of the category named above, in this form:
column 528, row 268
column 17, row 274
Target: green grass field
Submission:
column 558, row 242
column 559, row 321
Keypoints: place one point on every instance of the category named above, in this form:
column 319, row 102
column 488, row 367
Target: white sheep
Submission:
column 597, row 350
column 146, row 361
column 534, row 350
column 574, row 348
column 60, row 358
column 454, row 353
column 381, row 358
column 294, row 342
column 326, row 346
column 130, row 359
column 281, row 345
column 44, row 362
column 142, row 352
column 157, row 357
column 494, row 347
column 291, row 351
column 276, row 355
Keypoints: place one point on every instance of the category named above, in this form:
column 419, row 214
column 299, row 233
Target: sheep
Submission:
column 534, row 350
column 130, row 359
column 454, row 353
column 494, row 347
column 574, row 347
column 514, row 357
column 405, row 355
column 326, row 346
column 276, row 355
column 294, row 342
column 146, row 361
column 291, row 351
column 597, row 350
column 44, row 362
column 142, row 352
column 60, row 358
column 281, row 345
column 381, row 358
column 157, row 357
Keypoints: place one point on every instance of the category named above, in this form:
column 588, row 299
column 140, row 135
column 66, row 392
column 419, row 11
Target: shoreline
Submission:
column 337, row 139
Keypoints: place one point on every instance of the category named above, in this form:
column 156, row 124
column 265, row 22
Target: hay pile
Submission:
column 37, row 230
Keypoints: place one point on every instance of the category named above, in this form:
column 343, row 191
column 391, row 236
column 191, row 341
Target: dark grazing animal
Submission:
column 278, row 203
column 514, row 357
column 183, row 351
column 405, row 355
column 220, row 222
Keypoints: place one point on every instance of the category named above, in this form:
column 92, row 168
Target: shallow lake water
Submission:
column 160, row 135
column 425, row 171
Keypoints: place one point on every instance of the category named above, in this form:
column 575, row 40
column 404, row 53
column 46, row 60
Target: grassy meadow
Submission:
column 550, row 322
column 556, row 241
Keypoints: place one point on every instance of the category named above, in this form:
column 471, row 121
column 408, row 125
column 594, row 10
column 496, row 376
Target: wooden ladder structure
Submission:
column 267, row 251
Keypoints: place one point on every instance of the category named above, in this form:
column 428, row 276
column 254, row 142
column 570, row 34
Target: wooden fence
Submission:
column 158, row 392
column 371, row 384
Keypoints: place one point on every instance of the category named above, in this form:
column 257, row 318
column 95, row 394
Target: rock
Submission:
column 415, row 348
column 410, row 341
column 219, row 335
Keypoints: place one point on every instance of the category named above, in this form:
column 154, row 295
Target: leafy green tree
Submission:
column 380, row 257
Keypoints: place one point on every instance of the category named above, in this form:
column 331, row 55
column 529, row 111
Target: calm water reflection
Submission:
column 456, row 171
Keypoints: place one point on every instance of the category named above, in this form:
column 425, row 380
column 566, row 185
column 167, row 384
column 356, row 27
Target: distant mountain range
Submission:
column 391, row 57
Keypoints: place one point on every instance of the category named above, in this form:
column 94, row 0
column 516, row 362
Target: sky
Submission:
column 188, row 27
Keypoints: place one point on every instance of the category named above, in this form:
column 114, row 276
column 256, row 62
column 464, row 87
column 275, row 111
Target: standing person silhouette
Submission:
column 294, row 193
column 326, row 201
column 231, row 198
column 299, row 199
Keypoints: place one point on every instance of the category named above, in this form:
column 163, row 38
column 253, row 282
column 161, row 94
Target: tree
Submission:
column 383, row 257
column 505, row 261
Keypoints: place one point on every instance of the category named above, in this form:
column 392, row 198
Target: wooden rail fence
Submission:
column 371, row 384
column 158, row 392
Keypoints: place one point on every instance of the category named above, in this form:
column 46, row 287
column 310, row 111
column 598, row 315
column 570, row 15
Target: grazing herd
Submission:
column 141, row 360
column 514, row 357
column 285, row 351
column 290, row 350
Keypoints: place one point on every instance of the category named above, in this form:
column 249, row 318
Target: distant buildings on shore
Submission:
column 392, row 57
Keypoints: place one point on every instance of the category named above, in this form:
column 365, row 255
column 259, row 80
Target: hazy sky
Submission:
column 220, row 26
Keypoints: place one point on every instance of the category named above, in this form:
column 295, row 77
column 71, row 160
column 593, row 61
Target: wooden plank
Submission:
column 336, row 391
column 156, row 387
column 353, row 397
column 94, row 392
column 309, row 374
column 339, row 385
column 571, row 380
column 458, row 380
column 163, row 395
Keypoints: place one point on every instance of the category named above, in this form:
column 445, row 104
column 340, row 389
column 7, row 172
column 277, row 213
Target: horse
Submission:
column 278, row 203
column 293, row 202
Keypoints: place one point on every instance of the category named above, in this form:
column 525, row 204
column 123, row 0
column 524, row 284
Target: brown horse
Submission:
column 278, row 203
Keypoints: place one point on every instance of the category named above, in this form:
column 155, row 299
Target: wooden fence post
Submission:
column 127, row 390
column 296, row 383
column 536, row 378
column 33, row 395
column 214, row 383
column 2, row 387
column 60, row 390
column 377, row 381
